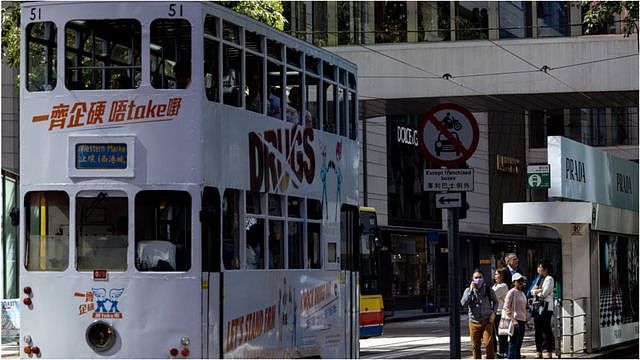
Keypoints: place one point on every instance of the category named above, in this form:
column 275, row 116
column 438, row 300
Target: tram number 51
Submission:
column 172, row 10
column 36, row 14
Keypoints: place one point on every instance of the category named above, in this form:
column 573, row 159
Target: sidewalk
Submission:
column 629, row 350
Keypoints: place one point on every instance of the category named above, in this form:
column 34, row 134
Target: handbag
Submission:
column 506, row 326
column 538, row 307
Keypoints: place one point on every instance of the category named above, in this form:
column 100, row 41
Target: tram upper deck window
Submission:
column 102, row 228
column 47, row 231
column 170, row 47
column 163, row 231
column 211, row 58
column 41, row 56
column 102, row 54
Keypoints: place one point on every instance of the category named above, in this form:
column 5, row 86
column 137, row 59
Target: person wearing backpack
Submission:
column 483, row 304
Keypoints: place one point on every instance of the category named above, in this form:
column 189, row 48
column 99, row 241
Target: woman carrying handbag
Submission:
column 515, row 308
column 542, row 318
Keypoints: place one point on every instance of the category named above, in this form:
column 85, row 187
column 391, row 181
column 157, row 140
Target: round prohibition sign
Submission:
column 448, row 135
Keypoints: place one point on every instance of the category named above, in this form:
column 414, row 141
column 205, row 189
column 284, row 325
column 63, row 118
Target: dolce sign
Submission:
column 581, row 172
column 407, row 136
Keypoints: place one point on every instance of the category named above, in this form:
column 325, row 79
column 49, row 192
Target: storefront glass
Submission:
column 618, row 289
column 409, row 265
column 409, row 205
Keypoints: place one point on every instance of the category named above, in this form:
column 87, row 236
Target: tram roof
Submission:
column 235, row 17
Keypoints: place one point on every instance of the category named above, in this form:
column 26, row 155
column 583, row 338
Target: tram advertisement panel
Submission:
column 618, row 289
column 299, row 316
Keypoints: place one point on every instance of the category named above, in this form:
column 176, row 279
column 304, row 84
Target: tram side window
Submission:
column 313, row 246
column 102, row 227
column 47, row 231
column 342, row 111
column 329, row 107
column 41, row 59
column 313, row 93
column 276, row 244
column 274, row 88
column 231, row 75
column 170, row 47
column 210, row 225
column 102, row 54
column 353, row 121
column 294, row 97
column 211, row 58
column 231, row 229
column 163, row 231
column 295, row 233
column 255, row 242
column 254, row 92
column 314, row 212
column 211, row 48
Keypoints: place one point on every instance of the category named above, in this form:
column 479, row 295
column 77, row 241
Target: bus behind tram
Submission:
column 188, row 185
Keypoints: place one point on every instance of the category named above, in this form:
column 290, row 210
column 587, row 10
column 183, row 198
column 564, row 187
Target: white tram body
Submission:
column 140, row 201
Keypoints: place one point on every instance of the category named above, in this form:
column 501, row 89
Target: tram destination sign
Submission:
column 448, row 180
column 101, row 156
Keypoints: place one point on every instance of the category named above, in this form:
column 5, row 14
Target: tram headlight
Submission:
column 101, row 336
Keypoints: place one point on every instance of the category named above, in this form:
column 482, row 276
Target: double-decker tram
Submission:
column 189, row 180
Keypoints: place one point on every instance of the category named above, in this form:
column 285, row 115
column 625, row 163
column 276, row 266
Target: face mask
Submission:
column 479, row 282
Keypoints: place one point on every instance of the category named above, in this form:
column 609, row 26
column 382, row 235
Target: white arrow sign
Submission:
column 448, row 200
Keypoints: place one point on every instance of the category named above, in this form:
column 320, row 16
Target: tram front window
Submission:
column 47, row 231
column 163, row 231
column 102, row 227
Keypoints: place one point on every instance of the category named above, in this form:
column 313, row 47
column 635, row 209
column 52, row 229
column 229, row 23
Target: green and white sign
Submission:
column 538, row 176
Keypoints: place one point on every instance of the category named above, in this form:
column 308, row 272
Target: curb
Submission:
column 392, row 319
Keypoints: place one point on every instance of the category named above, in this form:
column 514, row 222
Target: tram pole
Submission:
column 454, row 281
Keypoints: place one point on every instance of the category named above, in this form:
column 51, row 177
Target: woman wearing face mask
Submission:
column 482, row 304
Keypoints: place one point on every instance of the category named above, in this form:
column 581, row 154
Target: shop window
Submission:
column 102, row 229
column 390, row 21
column 515, row 19
column 163, row 231
column 47, row 231
column 472, row 20
column 434, row 21
column 345, row 9
column 553, row 18
column 41, row 56
column 320, row 25
column 170, row 47
column 231, row 229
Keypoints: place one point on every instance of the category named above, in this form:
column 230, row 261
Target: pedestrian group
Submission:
column 500, row 312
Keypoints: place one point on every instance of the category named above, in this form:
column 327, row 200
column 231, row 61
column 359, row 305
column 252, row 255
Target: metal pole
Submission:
column 454, row 282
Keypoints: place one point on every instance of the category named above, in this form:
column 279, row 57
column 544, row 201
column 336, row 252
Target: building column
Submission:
column 575, row 17
column 576, row 287
column 369, row 22
column 412, row 21
column 494, row 20
column 332, row 23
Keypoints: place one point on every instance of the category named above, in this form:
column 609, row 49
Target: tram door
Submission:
column 211, row 276
column 349, row 265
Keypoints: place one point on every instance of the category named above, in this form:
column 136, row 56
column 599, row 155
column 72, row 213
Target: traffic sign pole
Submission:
column 454, row 281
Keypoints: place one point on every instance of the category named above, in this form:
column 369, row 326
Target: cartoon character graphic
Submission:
column 101, row 298
column 114, row 295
